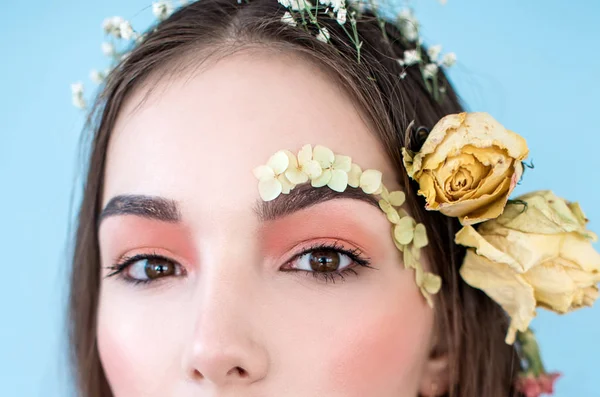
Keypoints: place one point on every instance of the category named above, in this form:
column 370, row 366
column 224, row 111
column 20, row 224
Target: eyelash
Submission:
column 355, row 255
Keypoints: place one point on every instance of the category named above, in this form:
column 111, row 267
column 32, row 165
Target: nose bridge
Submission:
column 224, row 346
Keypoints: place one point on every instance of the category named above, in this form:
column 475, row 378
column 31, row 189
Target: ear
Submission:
column 435, row 379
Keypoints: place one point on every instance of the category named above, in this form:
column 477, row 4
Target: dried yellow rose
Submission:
column 538, row 253
column 468, row 166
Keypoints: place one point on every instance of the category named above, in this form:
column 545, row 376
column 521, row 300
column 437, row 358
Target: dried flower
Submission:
column 468, row 166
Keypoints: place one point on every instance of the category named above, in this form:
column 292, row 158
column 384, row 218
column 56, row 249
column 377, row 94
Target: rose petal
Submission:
column 269, row 189
column 370, row 181
column 504, row 286
column 263, row 172
column 279, row 162
column 324, row 156
column 338, row 181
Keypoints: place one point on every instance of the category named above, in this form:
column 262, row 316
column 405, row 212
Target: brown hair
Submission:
column 471, row 326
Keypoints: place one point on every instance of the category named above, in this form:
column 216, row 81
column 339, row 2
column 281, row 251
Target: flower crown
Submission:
column 524, row 253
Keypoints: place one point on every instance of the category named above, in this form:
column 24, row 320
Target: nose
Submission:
column 225, row 347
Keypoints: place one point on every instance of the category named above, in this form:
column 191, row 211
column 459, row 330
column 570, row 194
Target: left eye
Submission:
column 322, row 261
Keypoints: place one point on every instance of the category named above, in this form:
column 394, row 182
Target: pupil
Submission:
column 158, row 268
column 324, row 261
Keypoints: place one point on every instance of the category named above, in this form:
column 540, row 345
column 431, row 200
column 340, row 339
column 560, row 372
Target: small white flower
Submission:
column 411, row 57
column 162, row 9
column 77, row 95
column 434, row 52
column 323, row 35
column 111, row 24
column 108, row 49
column 298, row 5
column 127, row 31
column 449, row 59
column 285, row 3
column 409, row 25
column 430, row 70
column 337, row 4
column 77, row 88
column 96, row 76
column 341, row 16
column 288, row 19
column 402, row 75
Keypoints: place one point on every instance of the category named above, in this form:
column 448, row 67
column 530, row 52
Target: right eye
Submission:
column 146, row 268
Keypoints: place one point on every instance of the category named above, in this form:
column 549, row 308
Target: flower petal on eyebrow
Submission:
column 370, row 181
column 338, row 181
column 354, row 175
column 322, row 180
column 269, row 188
column 279, row 162
column 343, row 163
column 324, row 156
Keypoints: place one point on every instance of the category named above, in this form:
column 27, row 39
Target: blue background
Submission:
column 531, row 64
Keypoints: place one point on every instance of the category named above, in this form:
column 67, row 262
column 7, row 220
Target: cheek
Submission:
column 133, row 344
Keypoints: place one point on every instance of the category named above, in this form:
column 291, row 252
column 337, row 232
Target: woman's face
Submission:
column 229, row 304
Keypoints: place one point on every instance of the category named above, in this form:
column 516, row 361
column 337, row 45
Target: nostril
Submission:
column 198, row 375
column 242, row 373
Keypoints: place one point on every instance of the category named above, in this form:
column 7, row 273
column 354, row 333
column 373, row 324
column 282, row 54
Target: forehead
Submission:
column 197, row 138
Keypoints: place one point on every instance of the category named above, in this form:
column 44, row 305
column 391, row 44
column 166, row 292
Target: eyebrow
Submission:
column 304, row 196
column 150, row 207
column 167, row 210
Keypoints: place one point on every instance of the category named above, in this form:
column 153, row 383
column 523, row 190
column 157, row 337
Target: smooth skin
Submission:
column 233, row 319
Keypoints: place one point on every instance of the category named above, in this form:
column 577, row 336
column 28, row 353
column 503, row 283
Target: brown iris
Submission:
column 155, row 268
column 324, row 261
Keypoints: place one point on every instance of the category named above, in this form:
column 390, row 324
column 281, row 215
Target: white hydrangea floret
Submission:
column 335, row 169
column 303, row 167
column 271, row 177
